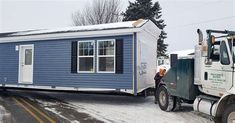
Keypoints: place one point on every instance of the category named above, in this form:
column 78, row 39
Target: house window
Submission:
column 86, row 56
column 106, row 56
column 28, row 57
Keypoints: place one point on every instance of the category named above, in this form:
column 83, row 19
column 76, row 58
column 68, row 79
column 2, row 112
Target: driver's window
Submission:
column 215, row 53
column 224, row 54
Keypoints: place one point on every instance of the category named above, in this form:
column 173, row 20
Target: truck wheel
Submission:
column 165, row 100
column 229, row 114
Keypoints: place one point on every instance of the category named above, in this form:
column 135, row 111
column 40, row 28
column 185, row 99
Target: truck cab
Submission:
column 217, row 70
column 206, row 81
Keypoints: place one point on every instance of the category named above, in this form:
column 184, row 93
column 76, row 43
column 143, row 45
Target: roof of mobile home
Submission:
column 118, row 28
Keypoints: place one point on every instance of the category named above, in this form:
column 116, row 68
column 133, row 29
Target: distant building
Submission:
column 189, row 53
column 182, row 54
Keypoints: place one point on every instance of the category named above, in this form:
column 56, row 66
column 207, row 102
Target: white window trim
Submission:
column 93, row 56
column 97, row 57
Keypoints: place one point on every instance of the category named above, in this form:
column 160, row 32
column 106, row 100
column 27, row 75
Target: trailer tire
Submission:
column 165, row 100
column 229, row 114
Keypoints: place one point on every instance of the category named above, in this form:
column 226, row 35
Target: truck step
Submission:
column 211, row 98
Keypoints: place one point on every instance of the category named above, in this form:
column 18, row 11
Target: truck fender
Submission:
column 221, row 104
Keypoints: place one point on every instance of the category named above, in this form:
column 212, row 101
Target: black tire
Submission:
column 229, row 114
column 166, row 102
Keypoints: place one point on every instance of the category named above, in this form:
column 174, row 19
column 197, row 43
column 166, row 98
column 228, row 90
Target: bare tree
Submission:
column 98, row 12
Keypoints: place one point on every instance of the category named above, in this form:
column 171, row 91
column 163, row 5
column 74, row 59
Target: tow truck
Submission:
column 206, row 80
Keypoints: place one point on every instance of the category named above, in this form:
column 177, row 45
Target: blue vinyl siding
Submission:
column 8, row 64
column 52, row 65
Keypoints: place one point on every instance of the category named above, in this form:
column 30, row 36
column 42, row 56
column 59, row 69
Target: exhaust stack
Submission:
column 200, row 36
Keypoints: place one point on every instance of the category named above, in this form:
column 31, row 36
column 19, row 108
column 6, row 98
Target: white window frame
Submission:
column 98, row 56
column 93, row 56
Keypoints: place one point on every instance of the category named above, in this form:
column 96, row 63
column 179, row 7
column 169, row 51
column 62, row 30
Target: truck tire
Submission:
column 165, row 100
column 229, row 114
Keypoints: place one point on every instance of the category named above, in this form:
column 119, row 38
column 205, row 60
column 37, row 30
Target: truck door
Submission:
column 219, row 74
column 226, row 60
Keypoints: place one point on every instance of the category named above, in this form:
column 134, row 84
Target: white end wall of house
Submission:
column 146, row 56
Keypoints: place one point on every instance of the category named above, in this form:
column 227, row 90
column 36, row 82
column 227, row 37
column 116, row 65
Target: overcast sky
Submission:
column 182, row 17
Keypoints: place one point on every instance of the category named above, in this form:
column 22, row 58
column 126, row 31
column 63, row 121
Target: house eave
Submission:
column 69, row 35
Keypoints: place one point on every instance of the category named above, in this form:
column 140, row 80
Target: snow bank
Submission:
column 4, row 114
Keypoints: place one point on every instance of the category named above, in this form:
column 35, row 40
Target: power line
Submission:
column 202, row 22
column 198, row 5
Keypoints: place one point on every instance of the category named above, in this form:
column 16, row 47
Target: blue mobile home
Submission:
column 116, row 56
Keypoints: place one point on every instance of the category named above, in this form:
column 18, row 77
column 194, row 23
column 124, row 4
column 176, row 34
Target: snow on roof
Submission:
column 118, row 25
column 184, row 53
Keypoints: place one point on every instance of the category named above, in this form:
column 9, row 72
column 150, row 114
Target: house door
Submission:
column 26, row 64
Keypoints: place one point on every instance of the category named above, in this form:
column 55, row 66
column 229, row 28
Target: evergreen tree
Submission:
column 145, row 9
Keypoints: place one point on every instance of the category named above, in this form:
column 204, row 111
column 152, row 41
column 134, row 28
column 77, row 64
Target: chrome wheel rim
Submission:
column 231, row 117
column 162, row 98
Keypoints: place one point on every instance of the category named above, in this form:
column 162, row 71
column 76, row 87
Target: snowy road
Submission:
column 34, row 107
column 129, row 109
column 78, row 107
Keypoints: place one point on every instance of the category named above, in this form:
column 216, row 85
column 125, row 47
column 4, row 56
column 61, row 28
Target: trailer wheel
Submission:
column 229, row 114
column 165, row 100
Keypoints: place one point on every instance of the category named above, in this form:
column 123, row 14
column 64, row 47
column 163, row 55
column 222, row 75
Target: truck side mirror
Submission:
column 212, row 40
column 208, row 61
column 173, row 59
